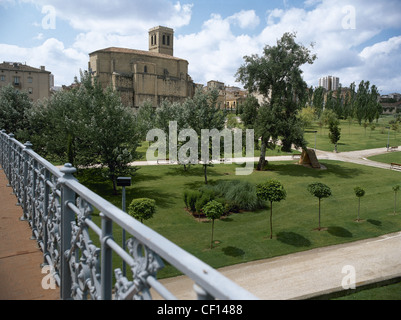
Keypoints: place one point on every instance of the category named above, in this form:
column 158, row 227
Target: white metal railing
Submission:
column 58, row 209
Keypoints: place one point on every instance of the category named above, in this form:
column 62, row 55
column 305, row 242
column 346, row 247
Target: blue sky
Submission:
column 354, row 39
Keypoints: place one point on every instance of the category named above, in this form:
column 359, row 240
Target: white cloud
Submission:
column 340, row 50
column 119, row 16
column 215, row 52
column 63, row 62
column 246, row 19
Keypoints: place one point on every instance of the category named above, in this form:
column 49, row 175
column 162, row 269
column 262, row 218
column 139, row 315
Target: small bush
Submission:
column 234, row 195
column 192, row 198
column 142, row 208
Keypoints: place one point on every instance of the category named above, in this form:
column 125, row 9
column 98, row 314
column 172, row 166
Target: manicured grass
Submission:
column 389, row 292
column 390, row 157
column 355, row 137
column 244, row 236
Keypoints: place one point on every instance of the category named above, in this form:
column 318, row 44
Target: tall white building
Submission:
column 330, row 83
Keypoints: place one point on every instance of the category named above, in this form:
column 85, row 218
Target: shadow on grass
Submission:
column 339, row 232
column 192, row 171
column 162, row 198
column 233, row 251
column 375, row 222
column 293, row 239
column 296, row 170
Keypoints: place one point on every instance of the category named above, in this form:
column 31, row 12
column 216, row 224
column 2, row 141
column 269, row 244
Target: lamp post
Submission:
column 124, row 182
column 388, row 138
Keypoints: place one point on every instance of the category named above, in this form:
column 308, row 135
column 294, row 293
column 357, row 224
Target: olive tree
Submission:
column 213, row 210
column 272, row 191
column 320, row 191
column 359, row 192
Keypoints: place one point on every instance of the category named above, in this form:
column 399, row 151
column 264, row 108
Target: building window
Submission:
column 168, row 40
column 3, row 78
column 164, row 39
column 145, row 69
column 29, row 79
column 16, row 81
column 30, row 90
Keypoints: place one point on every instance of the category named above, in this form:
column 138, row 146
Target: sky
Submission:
column 354, row 40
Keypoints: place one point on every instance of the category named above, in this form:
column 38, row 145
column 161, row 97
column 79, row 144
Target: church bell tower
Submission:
column 161, row 40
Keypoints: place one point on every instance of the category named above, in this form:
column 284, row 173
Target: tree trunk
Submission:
column 211, row 242
column 271, row 220
column 395, row 201
column 359, row 206
column 114, row 179
column 262, row 159
column 205, row 172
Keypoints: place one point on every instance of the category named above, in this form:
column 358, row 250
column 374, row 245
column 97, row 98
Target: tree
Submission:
column 334, row 133
column 396, row 188
column 307, row 116
column 359, row 192
column 272, row 191
column 249, row 111
column 142, row 208
column 14, row 106
column 213, row 210
column 202, row 112
column 278, row 77
column 320, row 191
column 90, row 126
column 318, row 100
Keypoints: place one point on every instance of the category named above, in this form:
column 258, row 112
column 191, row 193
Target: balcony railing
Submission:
column 59, row 209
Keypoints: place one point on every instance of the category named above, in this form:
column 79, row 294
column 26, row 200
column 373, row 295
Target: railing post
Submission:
column 67, row 216
column 106, row 259
column 2, row 136
column 9, row 148
column 28, row 146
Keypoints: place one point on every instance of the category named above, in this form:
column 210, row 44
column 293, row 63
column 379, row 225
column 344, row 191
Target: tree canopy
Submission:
column 278, row 77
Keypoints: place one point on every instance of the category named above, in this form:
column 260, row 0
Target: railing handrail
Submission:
column 53, row 199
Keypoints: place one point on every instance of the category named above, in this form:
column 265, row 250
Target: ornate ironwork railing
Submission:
column 59, row 211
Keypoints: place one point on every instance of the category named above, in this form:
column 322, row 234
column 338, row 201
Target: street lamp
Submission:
column 124, row 182
column 388, row 138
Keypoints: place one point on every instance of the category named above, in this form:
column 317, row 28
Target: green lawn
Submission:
column 355, row 137
column 389, row 292
column 394, row 156
column 243, row 236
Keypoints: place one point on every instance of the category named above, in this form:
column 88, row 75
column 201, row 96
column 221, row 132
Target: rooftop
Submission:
column 21, row 67
column 139, row 52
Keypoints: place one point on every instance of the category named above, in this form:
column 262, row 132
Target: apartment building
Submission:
column 36, row 82
column 330, row 83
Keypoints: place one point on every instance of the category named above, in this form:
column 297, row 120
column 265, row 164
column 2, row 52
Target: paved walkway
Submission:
column 295, row 276
column 310, row 273
column 20, row 257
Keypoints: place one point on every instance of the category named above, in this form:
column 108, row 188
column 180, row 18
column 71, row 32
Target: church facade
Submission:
column 141, row 76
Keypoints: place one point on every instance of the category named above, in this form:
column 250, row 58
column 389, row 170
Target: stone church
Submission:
column 142, row 76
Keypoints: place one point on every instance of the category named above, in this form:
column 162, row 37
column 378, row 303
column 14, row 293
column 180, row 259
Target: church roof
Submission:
column 138, row 52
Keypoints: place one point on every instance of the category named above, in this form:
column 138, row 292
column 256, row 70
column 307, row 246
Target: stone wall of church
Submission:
column 140, row 77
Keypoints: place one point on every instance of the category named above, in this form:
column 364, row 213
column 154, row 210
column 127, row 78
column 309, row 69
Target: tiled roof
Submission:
column 20, row 67
column 139, row 52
